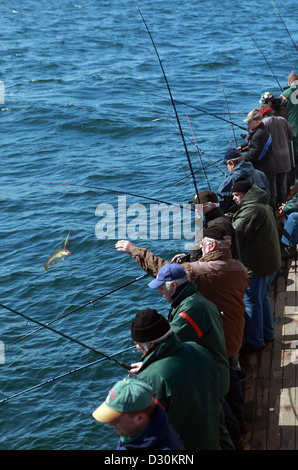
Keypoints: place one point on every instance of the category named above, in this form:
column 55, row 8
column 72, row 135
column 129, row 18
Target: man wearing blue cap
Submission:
column 237, row 166
column 194, row 318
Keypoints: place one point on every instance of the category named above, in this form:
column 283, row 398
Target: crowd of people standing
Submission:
column 186, row 391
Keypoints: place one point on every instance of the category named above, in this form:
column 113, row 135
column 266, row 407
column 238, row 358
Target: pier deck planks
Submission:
column 271, row 389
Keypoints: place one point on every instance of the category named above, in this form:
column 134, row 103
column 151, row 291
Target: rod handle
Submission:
column 126, row 366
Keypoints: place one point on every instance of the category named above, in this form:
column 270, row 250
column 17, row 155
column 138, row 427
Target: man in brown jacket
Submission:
column 221, row 279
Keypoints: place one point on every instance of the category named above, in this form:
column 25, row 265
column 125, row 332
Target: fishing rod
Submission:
column 211, row 114
column 174, row 107
column 199, row 152
column 54, row 379
column 78, row 308
column 203, row 111
column 284, row 25
column 265, row 61
column 228, row 111
column 188, row 176
column 117, row 191
column 122, row 364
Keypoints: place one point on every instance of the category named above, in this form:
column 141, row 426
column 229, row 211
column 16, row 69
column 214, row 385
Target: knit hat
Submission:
column 126, row 396
column 217, row 232
column 254, row 115
column 267, row 96
column 149, row 325
column 169, row 272
column 241, row 185
column 230, row 154
column 205, row 196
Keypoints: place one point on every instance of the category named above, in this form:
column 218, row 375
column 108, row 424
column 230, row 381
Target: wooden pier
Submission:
column 271, row 389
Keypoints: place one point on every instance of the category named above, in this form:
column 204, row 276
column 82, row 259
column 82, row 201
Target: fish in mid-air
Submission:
column 56, row 256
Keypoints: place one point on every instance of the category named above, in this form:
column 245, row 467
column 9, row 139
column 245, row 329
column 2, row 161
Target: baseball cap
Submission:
column 231, row 154
column 126, row 396
column 254, row 115
column 169, row 272
column 267, row 96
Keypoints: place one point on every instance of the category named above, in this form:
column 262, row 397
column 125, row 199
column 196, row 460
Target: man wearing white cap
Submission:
column 258, row 150
column 139, row 421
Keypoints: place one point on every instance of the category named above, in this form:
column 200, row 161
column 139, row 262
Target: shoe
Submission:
column 288, row 252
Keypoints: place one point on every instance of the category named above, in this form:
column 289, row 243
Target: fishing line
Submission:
column 284, row 25
column 203, row 111
column 211, row 114
column 189, row 176
column 212, row 163
column 265, row 60
column 78, row 308
column 122, row 364
column 174, row 107
column 228, row 110
column 117, row 191
column 200, row 155
column 199, row 151
column 53, row 379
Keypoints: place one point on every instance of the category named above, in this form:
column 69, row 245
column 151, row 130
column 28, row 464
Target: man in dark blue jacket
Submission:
column 237, row 166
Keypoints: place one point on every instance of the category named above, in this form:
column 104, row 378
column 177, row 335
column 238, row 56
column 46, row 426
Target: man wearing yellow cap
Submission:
column 138, row 420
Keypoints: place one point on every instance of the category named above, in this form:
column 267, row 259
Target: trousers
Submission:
column 258, row 326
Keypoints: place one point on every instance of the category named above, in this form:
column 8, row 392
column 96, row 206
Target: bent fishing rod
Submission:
column 203, row 111
column 174, row 107
column 265, row 61
column 61, row 376
column 74, row 340
column 284, row 25
column 213, row 115
column 78, row 308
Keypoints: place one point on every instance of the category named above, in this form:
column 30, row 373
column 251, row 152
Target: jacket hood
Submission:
column 255, row 195
column 244, row 168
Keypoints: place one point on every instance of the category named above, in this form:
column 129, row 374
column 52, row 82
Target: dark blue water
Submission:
column 86, row 103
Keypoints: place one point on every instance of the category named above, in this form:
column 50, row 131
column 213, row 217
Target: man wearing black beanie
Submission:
column 183, row 377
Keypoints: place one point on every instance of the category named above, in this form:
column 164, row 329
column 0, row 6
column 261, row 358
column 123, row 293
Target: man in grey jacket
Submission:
column 282, row 133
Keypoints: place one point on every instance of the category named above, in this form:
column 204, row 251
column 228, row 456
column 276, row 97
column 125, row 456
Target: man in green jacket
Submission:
column 194, row 318
column 183, row 377
column 290, row 97
column 256, row 229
